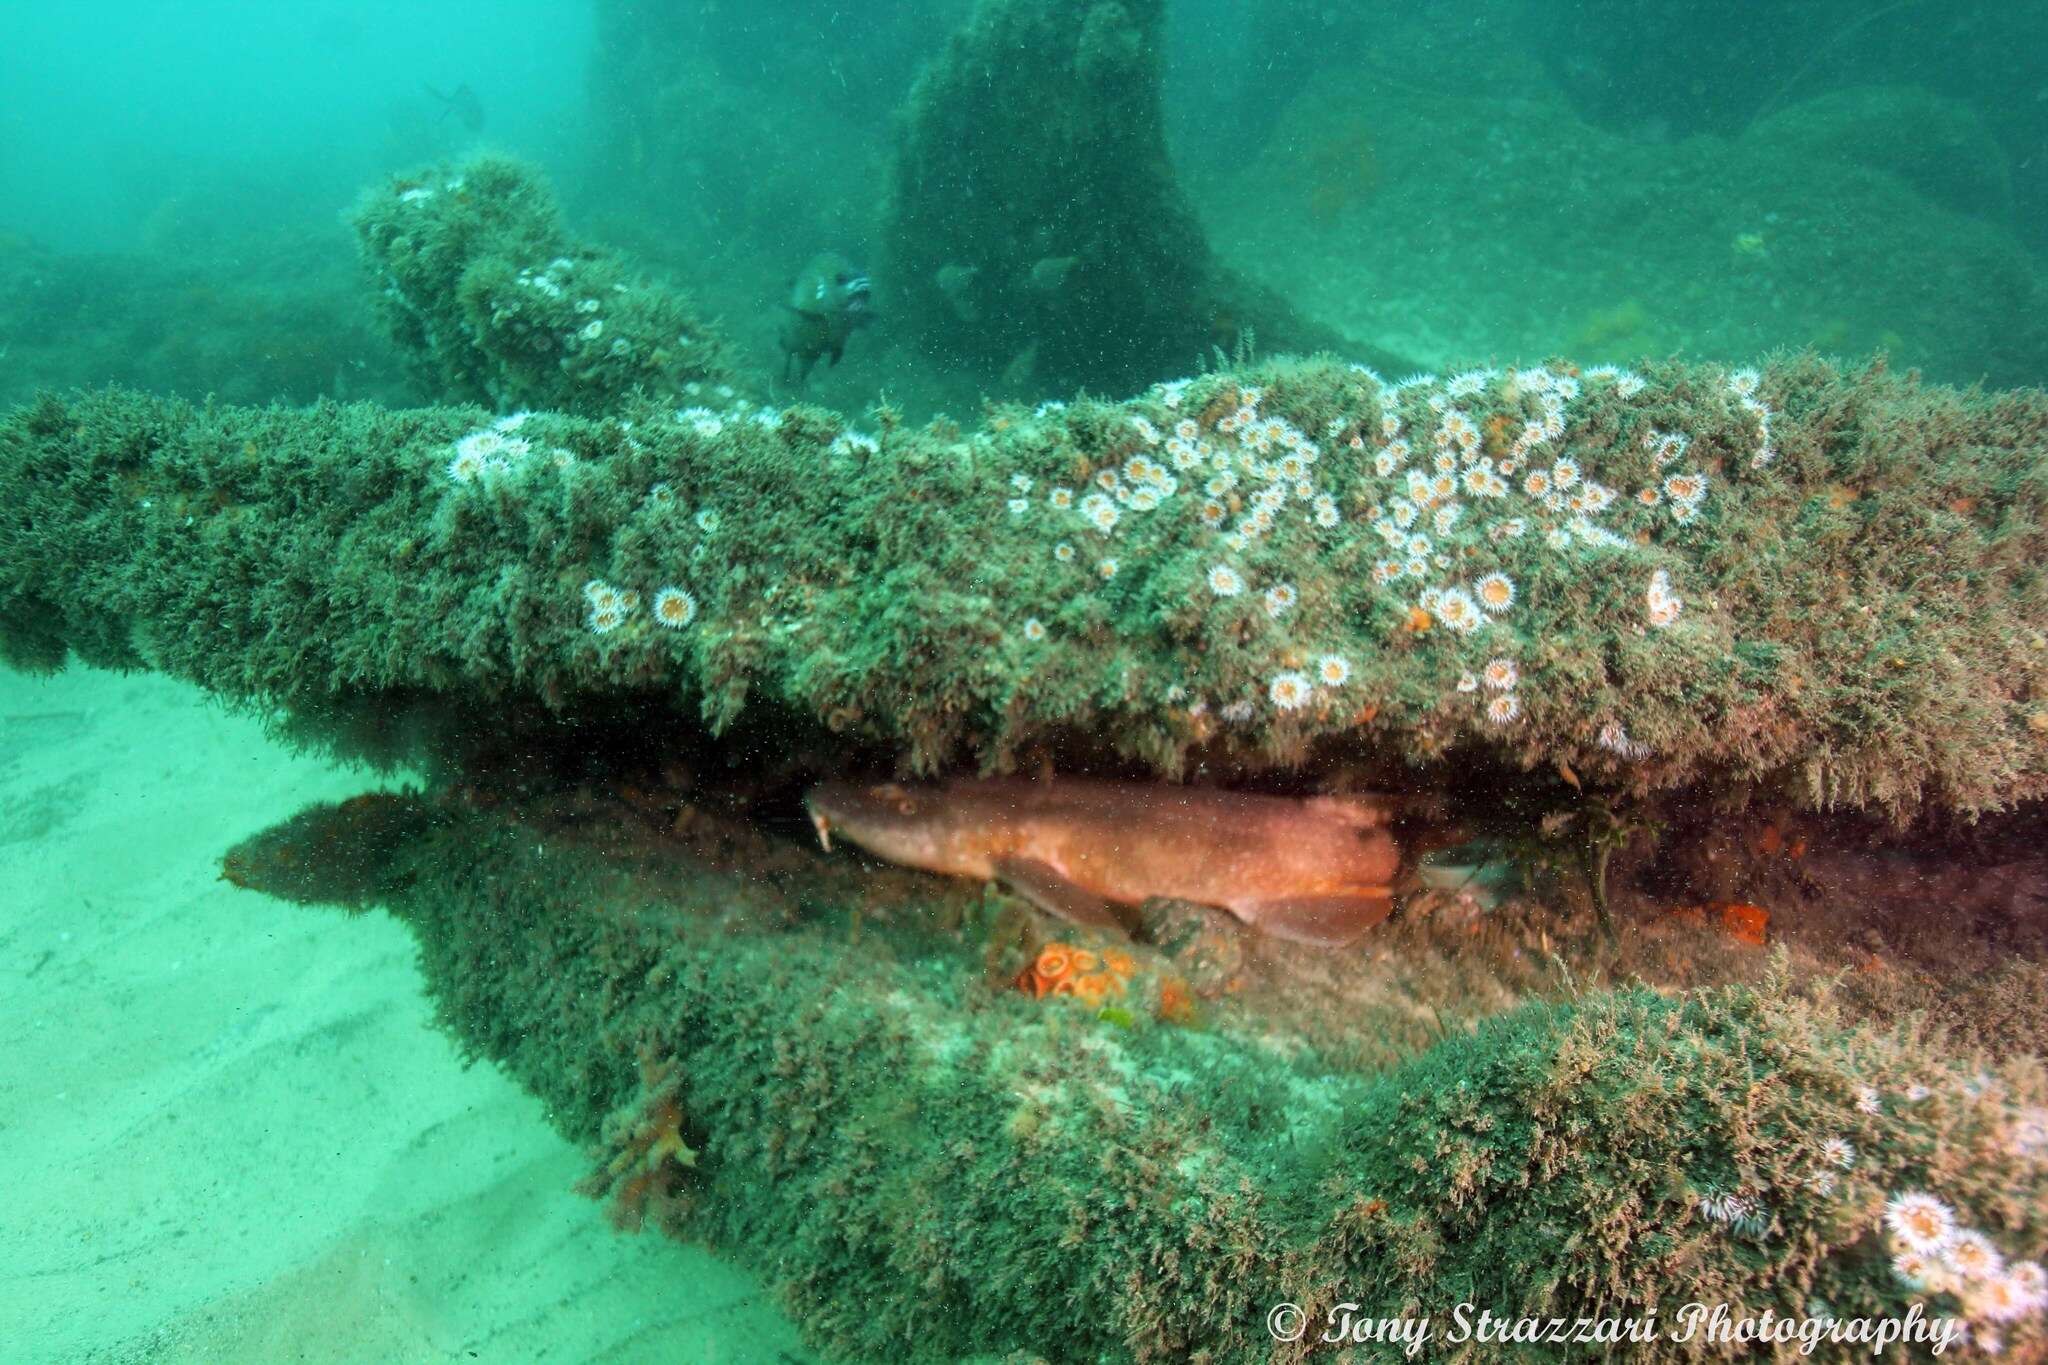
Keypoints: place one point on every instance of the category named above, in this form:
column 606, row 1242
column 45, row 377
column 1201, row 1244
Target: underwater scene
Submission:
column 1029, row 682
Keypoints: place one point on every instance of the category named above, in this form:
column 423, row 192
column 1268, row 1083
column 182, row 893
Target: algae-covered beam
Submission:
column 997, row 1172
column 1829, row 582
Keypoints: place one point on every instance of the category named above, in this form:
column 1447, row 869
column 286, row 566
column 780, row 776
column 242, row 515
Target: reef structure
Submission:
column 1822, row 584
column 1816, row 585
column 929, row 1162
column 1034, row 223
column 494, row 303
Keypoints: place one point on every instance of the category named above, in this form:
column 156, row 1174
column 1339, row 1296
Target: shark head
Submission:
column 891, row 821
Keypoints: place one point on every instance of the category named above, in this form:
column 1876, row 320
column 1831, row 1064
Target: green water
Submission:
column 1454, row 183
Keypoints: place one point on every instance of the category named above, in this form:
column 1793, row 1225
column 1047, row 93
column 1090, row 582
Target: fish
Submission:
column 1017, row 374
column 1479, row 869
column 1315, row 870
column 1049, row 275
column 463, row 103
column 828, row 302
column 956, row 282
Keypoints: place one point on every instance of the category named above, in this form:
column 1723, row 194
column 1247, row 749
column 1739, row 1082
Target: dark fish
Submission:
column 462, row 103
column 827, row 304
column 348, row 854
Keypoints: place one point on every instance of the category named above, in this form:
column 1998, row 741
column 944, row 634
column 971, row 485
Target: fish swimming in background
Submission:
column 956, row 283
column 1049, row 275
column 828, row 303
column 463, row 103
column 1317, row 870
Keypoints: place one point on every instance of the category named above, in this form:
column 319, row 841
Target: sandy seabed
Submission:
column 229, row 1130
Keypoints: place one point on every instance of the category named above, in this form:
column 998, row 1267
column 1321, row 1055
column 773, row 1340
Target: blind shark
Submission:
column 1317, row 870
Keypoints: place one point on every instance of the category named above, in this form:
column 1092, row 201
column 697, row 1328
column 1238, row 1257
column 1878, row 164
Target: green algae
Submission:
column 1108, row 1194
column 495, row 303
column 1854, row 621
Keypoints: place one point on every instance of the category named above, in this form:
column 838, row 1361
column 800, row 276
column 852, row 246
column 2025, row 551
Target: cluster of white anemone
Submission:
column 420, row 194
column 1269, row 457
column 709, row 422
column 1449, row 505
column 557, row 280
column 1932, row 1250
column 498, row 450
column 1615, row 738
column 1291, row 690
column 1738, row 1213
column 1934, row 1253
column 1661, row 603
column 1749, row 1216
column 1444, row 510
column 551, row 281
column 1262, row 462
column 1442, row 513
column 607, row 606
column 1681, row 491
column 1495, row 685
column 1743, row 384
column 1627, row 383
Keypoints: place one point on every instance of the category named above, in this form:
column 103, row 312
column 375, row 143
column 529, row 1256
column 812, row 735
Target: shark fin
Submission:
column 1327, row 921
column 1045, row 888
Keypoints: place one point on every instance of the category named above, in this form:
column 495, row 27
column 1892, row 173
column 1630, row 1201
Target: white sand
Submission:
column 228, row 1128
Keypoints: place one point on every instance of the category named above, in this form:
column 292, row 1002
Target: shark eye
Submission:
column 895, row 796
